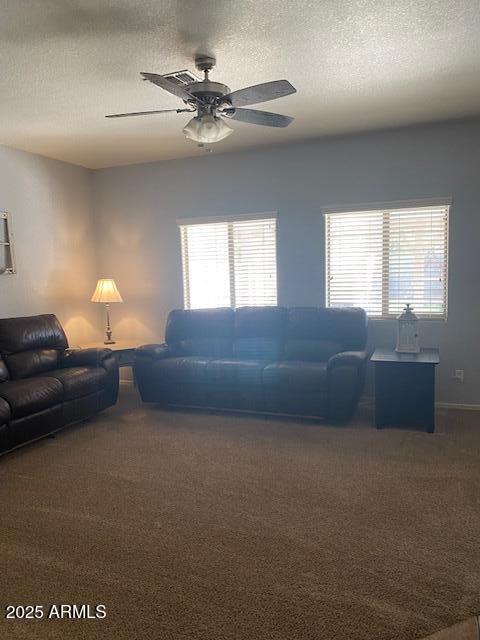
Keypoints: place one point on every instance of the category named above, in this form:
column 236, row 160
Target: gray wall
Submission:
column 51, row 212
column 136, row 208
column 72, row 226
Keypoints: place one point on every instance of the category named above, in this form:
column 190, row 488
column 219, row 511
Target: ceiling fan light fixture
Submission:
column 207, row 129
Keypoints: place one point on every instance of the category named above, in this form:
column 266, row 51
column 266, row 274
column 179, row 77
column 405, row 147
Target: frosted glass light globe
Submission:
column 207, row 129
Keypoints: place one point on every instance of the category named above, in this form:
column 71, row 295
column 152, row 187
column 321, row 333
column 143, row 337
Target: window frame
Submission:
column 7, row 244
column 228, row 219
column 386, row 208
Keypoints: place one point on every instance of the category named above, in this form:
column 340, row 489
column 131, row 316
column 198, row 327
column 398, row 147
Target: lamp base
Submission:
column 109, row 342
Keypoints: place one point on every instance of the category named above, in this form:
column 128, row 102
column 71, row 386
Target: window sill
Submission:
column 394, row 318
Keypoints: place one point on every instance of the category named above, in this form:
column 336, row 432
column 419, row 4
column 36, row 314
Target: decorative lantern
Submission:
column 407, row 337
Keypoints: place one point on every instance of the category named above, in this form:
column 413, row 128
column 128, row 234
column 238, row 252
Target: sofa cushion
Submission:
column 235, row 384
column 311, row 350
column 190, row 370
column 232, row 372
column 3, row 371
column 32, row 362
column 200, row 332
column 79, row 381
column 31, row 395
column 31, row 345
column 31, row 332
column 205, row 347
column 304, row 376
column 4, row 411
column 259, row 332
column 346, row 327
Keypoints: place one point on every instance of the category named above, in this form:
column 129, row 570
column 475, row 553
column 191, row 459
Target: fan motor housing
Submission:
column 208, row 88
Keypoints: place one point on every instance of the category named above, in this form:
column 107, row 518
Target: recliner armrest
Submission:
column 153, row 351
column 346, row 358
column 346, row 375
column 84, row 357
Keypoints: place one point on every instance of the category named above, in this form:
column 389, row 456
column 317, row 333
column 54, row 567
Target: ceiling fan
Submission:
column 214, row 103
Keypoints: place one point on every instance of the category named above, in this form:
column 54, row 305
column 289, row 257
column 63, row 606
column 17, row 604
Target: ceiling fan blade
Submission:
column 261, row 93
column 166, row 84
column 265, row 118
column 146, row 113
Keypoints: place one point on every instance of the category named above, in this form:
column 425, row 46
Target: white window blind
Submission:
column 380, row 260
column 231, row 263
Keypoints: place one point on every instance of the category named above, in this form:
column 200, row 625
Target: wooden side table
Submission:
column 405, row 388
column 124, row 351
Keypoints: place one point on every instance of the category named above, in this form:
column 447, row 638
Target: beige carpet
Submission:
column 219, row 527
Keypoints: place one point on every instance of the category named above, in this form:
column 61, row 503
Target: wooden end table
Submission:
column 405, row 388
column 124, row 351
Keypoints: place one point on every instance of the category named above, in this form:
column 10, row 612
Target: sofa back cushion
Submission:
column 29, row 363
column 311, row 350
column 259, row 333
column 266, row 333
column 316, row 334
column 3, row 371
column 32, row 344
column 349, row 326
column 200, row 332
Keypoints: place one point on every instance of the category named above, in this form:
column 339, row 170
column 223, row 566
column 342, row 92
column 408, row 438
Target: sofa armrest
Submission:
column 84, row 357
column 152, row 351
column 348, row 358
column 346, row 377
column 145, row 358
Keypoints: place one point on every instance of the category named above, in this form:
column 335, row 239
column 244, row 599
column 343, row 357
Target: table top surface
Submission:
column 118, row 345
column 426, row 356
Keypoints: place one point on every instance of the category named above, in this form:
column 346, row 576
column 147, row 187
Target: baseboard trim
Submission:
column 368, row 401
column 458, row 405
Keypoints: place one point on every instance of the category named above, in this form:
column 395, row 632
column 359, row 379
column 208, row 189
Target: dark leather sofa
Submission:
column 44, row 385
column 304, row 361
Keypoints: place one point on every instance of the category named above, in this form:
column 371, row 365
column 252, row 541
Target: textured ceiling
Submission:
column 356, row 64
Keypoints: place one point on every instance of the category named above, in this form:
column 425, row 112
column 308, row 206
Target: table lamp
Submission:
column 106, row 291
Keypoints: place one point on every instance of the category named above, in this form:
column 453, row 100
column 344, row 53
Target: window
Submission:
column 229, row 263
column 382, row 259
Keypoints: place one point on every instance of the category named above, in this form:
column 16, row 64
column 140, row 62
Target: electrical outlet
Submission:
column 458, row 375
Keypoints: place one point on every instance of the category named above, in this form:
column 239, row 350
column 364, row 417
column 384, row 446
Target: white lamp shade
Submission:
column 207, row 129
column 106, row 291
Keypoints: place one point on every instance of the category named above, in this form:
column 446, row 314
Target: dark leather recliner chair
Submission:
column 305, row 361
column 44, row 385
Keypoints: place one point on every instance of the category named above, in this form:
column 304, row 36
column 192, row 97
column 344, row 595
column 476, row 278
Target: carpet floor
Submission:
column 218, row 527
